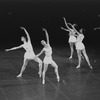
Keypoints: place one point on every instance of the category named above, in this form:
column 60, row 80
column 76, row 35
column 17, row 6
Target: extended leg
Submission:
column 56, row 70
column 72, row 50
column 86, row 57
column 44, row 71
column 23, row 67
column 40, row 65
column 79, row 58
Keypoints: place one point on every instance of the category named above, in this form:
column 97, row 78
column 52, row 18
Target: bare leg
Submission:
column 44, row 71
column 23, row 67
column 72, row 50
column 86, row 57
column 79, row 58
column 56, row 70
column 40, row 65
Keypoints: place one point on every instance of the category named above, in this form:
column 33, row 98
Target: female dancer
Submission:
column 48, row 57
column 72, row 38
column 81, row 48
column 29, row 54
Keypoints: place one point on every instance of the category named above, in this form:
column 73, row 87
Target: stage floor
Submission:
column 75, row 84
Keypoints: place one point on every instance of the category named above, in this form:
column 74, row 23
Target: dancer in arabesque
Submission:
column 29, row 54
column 48, row 57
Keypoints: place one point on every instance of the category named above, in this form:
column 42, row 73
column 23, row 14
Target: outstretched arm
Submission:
column 14, row 48
column 66, row 24
column 96, row 28
column 47, row 36
column 40, row 53
column 65, row 29
column 28, row 37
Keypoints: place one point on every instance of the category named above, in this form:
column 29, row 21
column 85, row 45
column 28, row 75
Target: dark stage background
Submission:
column 35, row 14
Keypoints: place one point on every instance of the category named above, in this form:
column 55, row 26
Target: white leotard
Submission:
column 48, row 54
column 79, row 44
column 29, row 54
column 72, row 37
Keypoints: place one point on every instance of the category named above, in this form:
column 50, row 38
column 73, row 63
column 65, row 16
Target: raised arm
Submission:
column 73, row 26
column 27, row 34
column 47, row 36
column 65, row 29
column 14, row 48
column 66, row 24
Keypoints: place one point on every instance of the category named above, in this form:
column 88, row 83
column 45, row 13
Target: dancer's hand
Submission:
column 44, row 29
column 61, row 27
column 6, row 49
column 22, row 28
column 74, row 24
column 64, row 18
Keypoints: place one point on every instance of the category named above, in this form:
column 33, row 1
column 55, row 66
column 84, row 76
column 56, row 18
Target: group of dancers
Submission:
column 75, row 38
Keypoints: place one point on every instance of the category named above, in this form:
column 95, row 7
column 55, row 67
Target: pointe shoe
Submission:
column 78, row 66
column 19, row 75
column 70, row 57
column 91, row 67
column 58, row 79
column 43, row 82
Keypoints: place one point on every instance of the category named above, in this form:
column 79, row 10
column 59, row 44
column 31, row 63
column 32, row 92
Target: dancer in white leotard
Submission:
column 80, row 47
column 48, row 57
column 29, row 54
column 72, row 38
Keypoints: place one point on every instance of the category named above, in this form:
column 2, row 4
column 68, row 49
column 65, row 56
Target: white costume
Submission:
column 72, row 38
column 48, row 55
column 79, row 44
column 29, row 54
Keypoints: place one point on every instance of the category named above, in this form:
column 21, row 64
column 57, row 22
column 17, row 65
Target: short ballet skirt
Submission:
column 47, row 60
column 29, row 55
column 79, row 46
column 72, row 39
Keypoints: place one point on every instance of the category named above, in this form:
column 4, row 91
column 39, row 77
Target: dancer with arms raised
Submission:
column 29, row 54
column 72, row 38
column 48, row 57
column 80, row 47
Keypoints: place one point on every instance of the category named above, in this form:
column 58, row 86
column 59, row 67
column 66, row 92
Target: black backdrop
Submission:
column 34, row 15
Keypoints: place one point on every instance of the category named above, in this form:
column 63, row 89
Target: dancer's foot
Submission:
column 78, row 66
column 20, row 75
column 43, row 82
column 91, row 67
column 70, row 57
column 58, row 79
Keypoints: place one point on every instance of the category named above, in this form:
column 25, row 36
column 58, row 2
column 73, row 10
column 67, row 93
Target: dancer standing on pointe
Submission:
column 80, row 47
column 72, row 38
column 29, row 54
column 48, row 57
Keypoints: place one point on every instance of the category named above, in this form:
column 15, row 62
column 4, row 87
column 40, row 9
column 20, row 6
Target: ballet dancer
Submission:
column 48, row 57
column 29, row 54
column 72, row 38
column 80, row 47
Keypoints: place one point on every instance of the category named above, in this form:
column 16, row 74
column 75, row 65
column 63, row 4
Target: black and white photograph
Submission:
column 49, row 50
